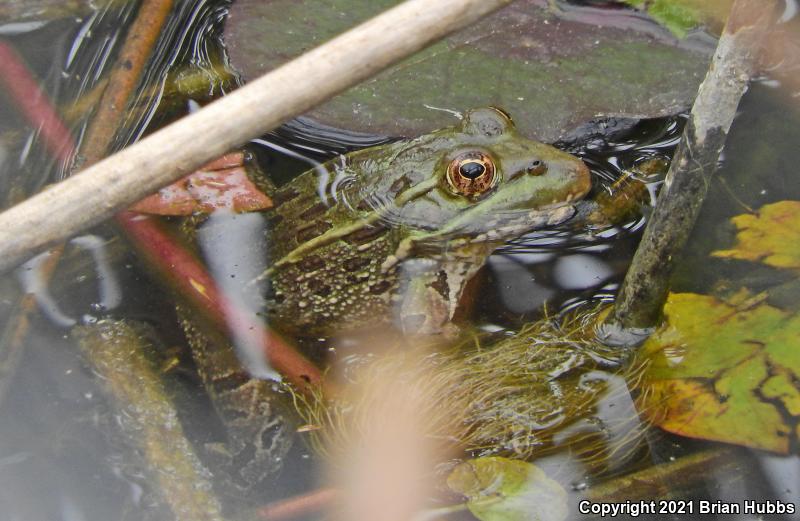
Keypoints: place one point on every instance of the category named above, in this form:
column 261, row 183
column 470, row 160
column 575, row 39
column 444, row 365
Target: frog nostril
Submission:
column 472, row 170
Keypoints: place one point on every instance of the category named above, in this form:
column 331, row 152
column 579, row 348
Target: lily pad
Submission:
column 551, row 73
column 502, row 489
column 772, row 236
column 725, row 371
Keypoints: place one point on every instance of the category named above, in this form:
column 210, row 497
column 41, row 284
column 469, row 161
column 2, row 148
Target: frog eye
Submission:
column 536, row 167
column 471, row 174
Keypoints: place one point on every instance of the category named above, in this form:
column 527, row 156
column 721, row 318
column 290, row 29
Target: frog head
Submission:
column 482, row 181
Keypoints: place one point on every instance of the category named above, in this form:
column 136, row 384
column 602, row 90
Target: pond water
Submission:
column 69, row 451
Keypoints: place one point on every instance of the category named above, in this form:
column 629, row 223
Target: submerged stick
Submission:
column 119, row 353
column 30, row 100
column 176, row 150
column 677, row 478
column 185, row 274
column 123, row 79
column 643, row 293
column 297, row 506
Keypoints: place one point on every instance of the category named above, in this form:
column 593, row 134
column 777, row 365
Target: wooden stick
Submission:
column 118, row 181
column 644, row 290
column 123, row 358
column 124, row 77
column 671, row 479
column 185, row 274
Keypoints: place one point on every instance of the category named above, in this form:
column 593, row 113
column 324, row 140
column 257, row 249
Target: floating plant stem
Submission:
column 644, row 291
column 120, row 353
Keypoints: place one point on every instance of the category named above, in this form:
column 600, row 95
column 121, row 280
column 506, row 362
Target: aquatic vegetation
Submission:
column 772, row 236
column 510, row 398
column 501, row 489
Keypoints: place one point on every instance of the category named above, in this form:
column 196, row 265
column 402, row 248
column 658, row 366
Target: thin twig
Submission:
column 124, row 78
column 670, row 479
column 176, row 150
column 644, row 291
column 298, row 506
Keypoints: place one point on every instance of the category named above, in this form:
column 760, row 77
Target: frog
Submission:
column 390, row 235
column 385, row 236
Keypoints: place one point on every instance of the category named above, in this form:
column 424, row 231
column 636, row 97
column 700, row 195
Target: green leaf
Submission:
column 725, row 371
column 502, row 489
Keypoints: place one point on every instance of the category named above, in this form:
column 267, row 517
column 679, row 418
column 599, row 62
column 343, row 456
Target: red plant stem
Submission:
column 34, row 104
column 185, row 272
column 298, row 505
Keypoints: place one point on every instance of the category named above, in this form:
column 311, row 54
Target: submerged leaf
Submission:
column 502, row 489
column 771, row 237
column 725, row 371
column 222, row 184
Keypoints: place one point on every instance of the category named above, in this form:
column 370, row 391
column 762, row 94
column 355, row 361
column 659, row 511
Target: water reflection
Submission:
column 34, row 277
column 236, row 254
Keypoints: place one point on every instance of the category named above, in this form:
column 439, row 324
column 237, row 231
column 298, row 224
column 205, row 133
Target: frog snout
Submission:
column 581, row 180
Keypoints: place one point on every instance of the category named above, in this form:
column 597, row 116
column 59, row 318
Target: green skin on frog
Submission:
column 391, row 235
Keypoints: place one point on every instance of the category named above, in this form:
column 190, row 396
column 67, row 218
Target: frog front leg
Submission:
column 431, row 287
column 422, row 305
column 614, row 205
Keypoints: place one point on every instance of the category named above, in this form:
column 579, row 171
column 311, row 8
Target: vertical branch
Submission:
column 646, row 285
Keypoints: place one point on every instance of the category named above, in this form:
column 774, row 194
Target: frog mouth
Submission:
column 502, row 228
